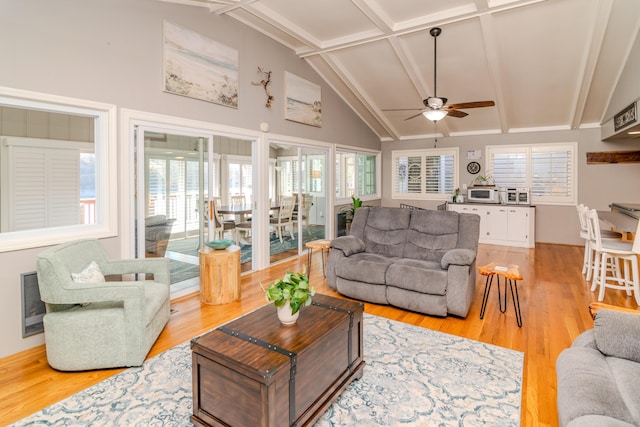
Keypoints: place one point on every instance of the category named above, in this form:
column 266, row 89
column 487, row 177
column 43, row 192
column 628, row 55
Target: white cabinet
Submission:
column 507, row 225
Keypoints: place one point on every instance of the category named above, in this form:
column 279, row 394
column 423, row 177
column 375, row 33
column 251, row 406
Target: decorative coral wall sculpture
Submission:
column 265, row 82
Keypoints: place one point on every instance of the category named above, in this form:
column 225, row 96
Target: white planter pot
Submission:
column 285, row 316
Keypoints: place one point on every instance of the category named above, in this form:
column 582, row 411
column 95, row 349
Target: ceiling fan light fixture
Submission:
column 434, row 115
column 435, row 102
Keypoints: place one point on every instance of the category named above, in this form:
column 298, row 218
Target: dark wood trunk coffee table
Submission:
column 254, row 371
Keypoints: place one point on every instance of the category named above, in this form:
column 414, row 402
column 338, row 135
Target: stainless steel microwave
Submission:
column 483, row 195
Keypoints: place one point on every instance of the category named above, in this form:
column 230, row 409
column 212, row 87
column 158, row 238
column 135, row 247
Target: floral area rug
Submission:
column 413, row 376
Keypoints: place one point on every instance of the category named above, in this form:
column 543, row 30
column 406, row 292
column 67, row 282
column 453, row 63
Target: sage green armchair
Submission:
column 91, row 323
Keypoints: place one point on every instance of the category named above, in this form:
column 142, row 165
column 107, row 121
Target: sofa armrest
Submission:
column 458, row 257
column 159, row 267
column 349, row 245
column 617, row 334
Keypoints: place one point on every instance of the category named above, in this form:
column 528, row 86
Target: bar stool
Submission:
column 611, row 252
column 588, row 266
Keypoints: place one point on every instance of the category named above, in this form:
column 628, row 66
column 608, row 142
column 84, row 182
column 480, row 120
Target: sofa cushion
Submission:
column 364, row 266
column 597, row 421
column 626, row 374
column 419, row 276
column 357, row 289
column 349, row 245
column 585, row 339
column 434, row 305
column 385, row 232
column 618, row 334
column 431, row 234
column 155, row 220
column 586, row 386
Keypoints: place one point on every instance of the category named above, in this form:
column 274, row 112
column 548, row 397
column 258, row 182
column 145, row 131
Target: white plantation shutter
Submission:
column 28, row 202
column 45, row 187
column 157, row 191
column 424, row 174
column 548, row 170
column 552, row 173
column 508, row 167
column 439, row 174
column 63, row 189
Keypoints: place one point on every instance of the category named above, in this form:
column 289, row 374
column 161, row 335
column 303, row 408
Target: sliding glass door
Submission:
column 299, row 173
column 172, row 188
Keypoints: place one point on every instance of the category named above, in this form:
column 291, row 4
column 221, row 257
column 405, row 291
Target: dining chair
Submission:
column 610, row 253
column 589, row 254
column 237, row 200
column 303, row 211
column 284, row 217
column 221, row 225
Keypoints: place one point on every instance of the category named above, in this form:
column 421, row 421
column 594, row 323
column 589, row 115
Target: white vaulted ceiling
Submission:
column 547, row 64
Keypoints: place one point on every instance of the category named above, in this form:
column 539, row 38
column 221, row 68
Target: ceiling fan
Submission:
column 437, row 107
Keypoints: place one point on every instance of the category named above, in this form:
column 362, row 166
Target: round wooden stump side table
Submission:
column 219, row 275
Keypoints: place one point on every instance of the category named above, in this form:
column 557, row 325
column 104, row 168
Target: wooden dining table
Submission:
column 240, row 211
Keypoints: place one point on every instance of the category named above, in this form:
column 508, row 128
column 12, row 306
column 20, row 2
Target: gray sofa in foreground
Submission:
column 599, row 375
column 419, row 260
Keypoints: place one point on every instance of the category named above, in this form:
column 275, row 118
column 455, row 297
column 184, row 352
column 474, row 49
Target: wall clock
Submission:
column 473, row 167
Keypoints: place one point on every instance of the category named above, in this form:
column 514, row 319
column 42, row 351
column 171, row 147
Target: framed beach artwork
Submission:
column 304, row 103
column 199, row 67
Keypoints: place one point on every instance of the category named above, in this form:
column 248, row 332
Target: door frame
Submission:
column 140, row 174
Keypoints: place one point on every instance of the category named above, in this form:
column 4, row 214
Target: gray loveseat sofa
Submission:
column 599, row 375
column 419, row 260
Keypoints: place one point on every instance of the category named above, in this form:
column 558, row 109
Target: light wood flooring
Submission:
column 553, row 295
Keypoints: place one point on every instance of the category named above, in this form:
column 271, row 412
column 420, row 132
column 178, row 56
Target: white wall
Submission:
column 111, row 51
column 628, row 87
column 598, row 185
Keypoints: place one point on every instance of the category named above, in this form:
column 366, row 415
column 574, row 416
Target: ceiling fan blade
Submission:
column 465, row 105
column 403, row 109
column 456, row 113
column 413, row 117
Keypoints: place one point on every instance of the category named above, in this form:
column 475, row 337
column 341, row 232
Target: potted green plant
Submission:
column 483, row 180
column 289, row 294
column 356, row 204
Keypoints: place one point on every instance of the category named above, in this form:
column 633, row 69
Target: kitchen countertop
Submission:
column 619, row 221
column 491, row 204
column 629, row 209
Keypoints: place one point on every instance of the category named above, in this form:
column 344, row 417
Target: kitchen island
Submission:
column 505, row 225
column 623, row 217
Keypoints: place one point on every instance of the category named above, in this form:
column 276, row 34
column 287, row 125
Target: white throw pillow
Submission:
column 91, row 274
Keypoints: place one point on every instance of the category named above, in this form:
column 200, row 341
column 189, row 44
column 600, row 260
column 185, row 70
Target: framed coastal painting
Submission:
column 303, row 103
column 199, row 67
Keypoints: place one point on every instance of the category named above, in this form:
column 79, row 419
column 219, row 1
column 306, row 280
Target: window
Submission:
column 367, row 174
column 548, row 170
column 240, row 181
column 57, row 169
column 357, row 175
column 46, row 178
column 288, row 175
column 424, row 174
